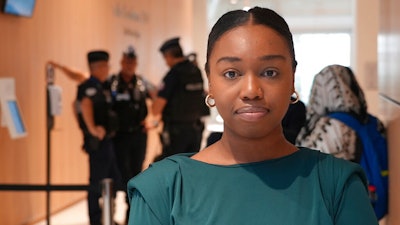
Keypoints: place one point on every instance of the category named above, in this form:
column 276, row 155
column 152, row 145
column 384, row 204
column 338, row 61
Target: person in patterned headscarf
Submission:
column 335, row 89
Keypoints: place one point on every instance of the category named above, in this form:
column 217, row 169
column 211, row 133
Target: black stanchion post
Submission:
column 50, row 124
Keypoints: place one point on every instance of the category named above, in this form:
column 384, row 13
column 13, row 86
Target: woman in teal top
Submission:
column 252, row 175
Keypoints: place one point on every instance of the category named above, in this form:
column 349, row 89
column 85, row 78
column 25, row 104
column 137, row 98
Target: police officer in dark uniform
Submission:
column 129, row 92
column 180, row 103
column 98, row 125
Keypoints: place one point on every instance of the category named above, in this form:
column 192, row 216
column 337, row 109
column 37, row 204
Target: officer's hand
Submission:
column 53, row 64
column 100, row 132
column 150, row 124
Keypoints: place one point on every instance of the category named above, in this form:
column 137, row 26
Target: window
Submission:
column 314, row 51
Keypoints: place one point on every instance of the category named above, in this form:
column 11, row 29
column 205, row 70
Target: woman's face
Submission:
column 251, row 79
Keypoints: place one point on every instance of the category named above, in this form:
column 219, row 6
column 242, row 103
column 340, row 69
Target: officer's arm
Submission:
column 156, row 109
column 88, row 118
column 153, row 93
column 72, row 74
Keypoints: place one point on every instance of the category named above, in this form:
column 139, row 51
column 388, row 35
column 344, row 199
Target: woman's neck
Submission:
column 234, row 149
column 245, row 150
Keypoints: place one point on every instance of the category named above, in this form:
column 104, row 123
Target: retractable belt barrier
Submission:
column 38, row 187
column 106, row 190
column 106, row 184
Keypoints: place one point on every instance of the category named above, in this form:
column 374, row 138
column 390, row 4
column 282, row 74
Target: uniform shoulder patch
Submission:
column 90, row 91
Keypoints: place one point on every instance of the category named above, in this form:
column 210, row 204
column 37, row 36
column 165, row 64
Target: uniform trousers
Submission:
column 103, row 164
column 130, row 150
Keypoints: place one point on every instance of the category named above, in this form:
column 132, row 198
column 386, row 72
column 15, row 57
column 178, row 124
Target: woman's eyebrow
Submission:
column 228, row 59
column 263, row 58
column 272, row 57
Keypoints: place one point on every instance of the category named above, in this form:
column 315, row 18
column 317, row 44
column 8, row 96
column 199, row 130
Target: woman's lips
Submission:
column 252, row 113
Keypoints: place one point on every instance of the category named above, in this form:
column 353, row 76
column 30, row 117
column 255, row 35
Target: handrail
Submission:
column 390, row 99
column 107, row 194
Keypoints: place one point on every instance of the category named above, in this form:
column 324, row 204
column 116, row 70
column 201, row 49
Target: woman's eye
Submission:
column 269, row 73
column 231, row 74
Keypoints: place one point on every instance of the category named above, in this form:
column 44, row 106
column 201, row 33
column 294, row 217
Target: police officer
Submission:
column 180, row 102
column 98, row 125
column 129, row 92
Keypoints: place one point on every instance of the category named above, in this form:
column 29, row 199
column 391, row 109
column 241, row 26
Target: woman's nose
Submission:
column 251, row 87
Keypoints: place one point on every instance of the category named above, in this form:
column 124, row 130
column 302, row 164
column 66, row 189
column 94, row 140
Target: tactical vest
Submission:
column 187, row 102
column 129, row 102
column 101, row 100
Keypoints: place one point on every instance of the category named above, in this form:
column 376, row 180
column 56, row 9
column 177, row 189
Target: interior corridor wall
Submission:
column 64, row 31
column 389, row 81
column 364, row 50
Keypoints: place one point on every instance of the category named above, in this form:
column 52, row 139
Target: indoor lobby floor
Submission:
column 78, row 214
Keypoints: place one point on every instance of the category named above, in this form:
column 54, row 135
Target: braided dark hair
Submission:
column 256, row 15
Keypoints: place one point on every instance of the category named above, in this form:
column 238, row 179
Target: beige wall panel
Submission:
column 389, row 49
column 64, row 31
column 389, row 81
column 394, row 168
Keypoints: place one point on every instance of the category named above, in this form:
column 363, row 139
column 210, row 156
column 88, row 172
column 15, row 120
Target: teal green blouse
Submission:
column 306, row 187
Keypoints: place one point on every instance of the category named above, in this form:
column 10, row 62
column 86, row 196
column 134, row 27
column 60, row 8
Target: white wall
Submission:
column 365, row 51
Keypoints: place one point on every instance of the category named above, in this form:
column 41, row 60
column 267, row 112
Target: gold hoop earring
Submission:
column 207, row 101
column 294, row 99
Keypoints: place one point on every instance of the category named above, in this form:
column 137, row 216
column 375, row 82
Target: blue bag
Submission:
column 374, row 159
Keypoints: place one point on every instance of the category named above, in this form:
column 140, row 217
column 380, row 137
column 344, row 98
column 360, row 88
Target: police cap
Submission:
column 174, row 42
column 95, row 56
column 130, row 52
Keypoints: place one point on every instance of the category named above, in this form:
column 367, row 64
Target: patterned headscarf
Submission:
column 335, row 89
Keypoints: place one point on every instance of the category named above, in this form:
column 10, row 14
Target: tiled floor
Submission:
column 78, row 214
